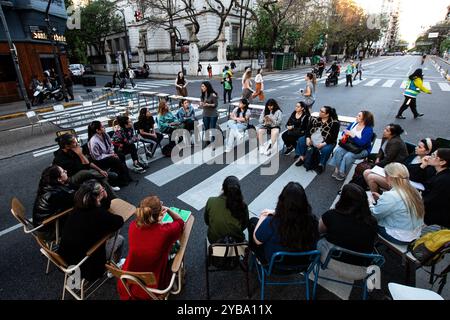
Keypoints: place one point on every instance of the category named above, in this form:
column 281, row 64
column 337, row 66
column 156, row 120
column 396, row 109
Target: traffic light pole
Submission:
column 13, row 51
column 127, row 40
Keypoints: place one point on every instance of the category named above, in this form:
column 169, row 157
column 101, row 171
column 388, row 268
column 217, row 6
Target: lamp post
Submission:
column 127, row 40
column 180, row 42
column 50, row 32
column 13, row 51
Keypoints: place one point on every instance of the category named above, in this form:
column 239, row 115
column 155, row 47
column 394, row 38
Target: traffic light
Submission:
column 182, row 42
column 172, row 43
column 138, row 16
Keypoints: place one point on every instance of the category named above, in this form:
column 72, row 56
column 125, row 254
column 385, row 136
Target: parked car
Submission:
column 140, row 72
column 88, row 69
column 77, row 69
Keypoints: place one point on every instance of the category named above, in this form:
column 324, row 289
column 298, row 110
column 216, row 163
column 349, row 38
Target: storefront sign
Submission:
column 40, row 33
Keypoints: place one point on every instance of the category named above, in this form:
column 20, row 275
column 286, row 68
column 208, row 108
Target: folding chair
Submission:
column 152, row 143
column 18, row 211
column 348, row 273
column 230, row 254
column 35, row 120
column 402, row 292
column 283, row 265
column 146, row 279
column 77, row 286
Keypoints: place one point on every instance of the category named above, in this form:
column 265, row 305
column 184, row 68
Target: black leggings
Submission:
column 116, row 165
column 225, row 93
column 290, row 140
column 411, row 104
column 128, row 148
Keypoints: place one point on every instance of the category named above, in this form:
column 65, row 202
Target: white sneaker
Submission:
column 121, row 263
column 261, row 150
column 115, row 188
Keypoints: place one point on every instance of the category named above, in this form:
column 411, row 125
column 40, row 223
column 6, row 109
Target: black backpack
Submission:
column 312, row 158
column 226, row 263
column 167, row 149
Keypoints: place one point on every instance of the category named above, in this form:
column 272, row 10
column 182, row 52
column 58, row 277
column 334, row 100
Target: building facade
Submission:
column 29, row 34
column 149, row 43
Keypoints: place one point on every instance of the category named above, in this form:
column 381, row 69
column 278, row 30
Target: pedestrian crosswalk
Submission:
column 277, row 81
column 152, row 84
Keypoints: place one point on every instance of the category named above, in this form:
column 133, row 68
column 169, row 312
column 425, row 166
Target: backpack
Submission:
column 426, row 249
column 226, row 263
column 311, row 160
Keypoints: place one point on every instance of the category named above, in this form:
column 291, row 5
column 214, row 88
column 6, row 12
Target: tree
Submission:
column 166, row 13
column 98, row 20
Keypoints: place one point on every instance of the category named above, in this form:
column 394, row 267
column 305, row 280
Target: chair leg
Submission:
column 206, row 270
column 248, row 282
column 262, row 285
column 365, row 290
column 64, row 286
column 306, row 275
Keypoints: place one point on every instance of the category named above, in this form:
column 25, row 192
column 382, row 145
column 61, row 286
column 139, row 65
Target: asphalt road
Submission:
column 22, row 267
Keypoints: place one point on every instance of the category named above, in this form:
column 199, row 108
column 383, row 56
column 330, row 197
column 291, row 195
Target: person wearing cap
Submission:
column 413, row 87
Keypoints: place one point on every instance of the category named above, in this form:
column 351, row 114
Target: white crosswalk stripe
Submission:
column 388, row 83
column 372, row 82
column 444, row 86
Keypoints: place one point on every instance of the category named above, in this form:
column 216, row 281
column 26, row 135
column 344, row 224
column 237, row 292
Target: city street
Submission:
column 22, row 266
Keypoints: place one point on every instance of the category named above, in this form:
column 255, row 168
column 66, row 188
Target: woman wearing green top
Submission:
column 227, row 214
column 413, row 87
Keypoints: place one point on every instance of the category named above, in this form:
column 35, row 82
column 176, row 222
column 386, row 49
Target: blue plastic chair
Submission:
column 351, row 271
column 278, row 267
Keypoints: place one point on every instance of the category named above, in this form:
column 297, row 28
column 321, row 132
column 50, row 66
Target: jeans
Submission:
column 325, row 152
column 238, row 126
column 382, row 232
column 343, row 159
column 209, row 123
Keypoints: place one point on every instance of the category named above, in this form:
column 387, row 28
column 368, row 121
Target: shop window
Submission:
column 7, row 71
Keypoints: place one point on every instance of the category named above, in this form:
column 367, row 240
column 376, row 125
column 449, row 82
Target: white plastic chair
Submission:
column 35, row 121
column 402, row 292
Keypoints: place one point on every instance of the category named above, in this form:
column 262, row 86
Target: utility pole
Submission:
column 55, row 55
column 127, row 40
column 13, row 51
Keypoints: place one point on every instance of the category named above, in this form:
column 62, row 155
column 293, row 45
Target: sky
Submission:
column 415, row 15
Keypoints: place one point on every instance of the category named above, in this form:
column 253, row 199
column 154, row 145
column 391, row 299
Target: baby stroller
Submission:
column 332, row 78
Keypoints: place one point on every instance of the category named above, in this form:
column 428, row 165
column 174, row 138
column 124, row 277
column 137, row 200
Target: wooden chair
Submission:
column 18, row 211
column 146, row 279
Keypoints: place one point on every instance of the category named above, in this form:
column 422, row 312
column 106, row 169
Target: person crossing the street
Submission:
column 413, row 87
column 359, row 69
column 349, row 74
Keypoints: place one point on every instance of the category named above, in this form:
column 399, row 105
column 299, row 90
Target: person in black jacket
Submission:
column 54, row 195
column 296, row 126
column 86, row 225
column 437, row 186
column 79, row 169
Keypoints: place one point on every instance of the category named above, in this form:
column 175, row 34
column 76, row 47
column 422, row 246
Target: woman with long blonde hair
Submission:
column 149, row 244
column 399, row 211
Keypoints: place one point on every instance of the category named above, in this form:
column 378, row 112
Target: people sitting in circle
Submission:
column 186, row 115
column 147, row 131
column 237, row 124
column 89, row 222
column 149, row 244
column 124, row 140
column 79, row 169
column 349, row 225
column 227, row 214
column 399, row 211
column 436, row 196
column 296, row 125
column 424, row 147
column 167, row 122
column 393, row 149
column 54, row 195
column 290, row 227
column 102, row 151
column 322, row 134
column 270, row 124
column 360, row 134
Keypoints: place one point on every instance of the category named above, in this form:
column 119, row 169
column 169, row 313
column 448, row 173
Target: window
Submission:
column 7, row 71
column 234, row 35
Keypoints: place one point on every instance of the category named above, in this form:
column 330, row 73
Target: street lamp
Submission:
column 51, row 32
column 180, row 42
column 127, row 40
column 13, row 51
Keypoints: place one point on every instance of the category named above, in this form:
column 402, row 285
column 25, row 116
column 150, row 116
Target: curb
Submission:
column 40, row 110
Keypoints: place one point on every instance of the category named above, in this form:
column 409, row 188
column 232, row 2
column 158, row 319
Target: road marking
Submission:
column 197, row 196
column 282, row 87
column 371, row 83
column 268, row 198
column 3, row 232
column 444, row 86
column 269, row 90
column 388, row 83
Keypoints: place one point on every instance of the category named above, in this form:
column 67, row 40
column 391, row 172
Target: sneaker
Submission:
column 143, row 165
column 261, row 150
column 268, row 152
column 296, row 157
column 418, row 115
column 288, row 150
column 400, row 117
column 340, row 177
column 120, row 263
column 335, row 174
column 137, row 168
column 115, row 188
column 299, row 163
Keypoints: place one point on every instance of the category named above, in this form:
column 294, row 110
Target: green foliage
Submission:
column 98, row 19
column 445, row 45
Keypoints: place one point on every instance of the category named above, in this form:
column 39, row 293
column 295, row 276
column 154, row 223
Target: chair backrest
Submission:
column 293, row 262
column 18, row 211
column 58, row 107
column 366, row 259
column 53, row 256
column 228, row 249
column 60, row 133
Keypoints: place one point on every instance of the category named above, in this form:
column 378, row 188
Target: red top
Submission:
column 149, row 248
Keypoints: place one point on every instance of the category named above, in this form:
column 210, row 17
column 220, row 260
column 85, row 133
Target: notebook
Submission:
column 185, row 214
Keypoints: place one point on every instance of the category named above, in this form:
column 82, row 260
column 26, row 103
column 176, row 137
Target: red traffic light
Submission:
column 138, row 15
